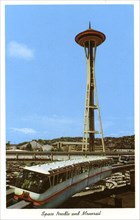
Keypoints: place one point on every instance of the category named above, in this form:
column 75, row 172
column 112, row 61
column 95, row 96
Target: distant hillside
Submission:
column 125, row 142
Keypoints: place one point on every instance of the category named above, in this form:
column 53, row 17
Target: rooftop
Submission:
column 46, row 168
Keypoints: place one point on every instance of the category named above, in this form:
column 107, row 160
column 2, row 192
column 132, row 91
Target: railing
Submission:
column 43, row 156
column 67, row 153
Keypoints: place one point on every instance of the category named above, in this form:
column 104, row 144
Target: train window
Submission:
column 85, row 168
column 95, row 165
column 61, row 177
column 91, row 165
column 51, row 180
column 43, row 184
column 19, row 180
column 55, row 179
column 33, row 181
column 69, row 174
column 81, row 169
column 78, row 170
column 74, row 172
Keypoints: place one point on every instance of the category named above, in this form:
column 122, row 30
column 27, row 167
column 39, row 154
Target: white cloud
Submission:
column 54, row 125
column 49, row 120
column 24, row 130
column 19, row 50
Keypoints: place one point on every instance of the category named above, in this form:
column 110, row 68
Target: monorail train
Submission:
column 49, row 185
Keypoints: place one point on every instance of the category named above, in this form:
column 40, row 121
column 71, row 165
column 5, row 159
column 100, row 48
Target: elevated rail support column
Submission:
column 16, row 156
column 51, row 156
column 34, row 156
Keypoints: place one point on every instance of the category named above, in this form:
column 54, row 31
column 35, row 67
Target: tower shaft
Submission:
column 91, row 103
column 89, row 122
column 90, row 73
column 90, row 39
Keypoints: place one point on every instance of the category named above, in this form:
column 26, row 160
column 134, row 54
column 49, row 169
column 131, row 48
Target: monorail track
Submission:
column 20, row 205
column 51, row 156
column 13, row 204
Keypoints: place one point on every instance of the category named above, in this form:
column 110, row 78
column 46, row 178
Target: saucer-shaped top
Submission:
column 95, row 37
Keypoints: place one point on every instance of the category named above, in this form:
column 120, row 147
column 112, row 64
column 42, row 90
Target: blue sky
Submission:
column 46, row 70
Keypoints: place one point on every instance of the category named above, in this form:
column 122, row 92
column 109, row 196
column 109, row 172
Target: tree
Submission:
column 29, row 147
column 8, row 143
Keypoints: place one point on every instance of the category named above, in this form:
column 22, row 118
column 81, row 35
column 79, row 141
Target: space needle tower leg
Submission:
column 91, row 102
column 89, row 126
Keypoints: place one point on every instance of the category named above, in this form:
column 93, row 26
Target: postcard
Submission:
column 69, row 109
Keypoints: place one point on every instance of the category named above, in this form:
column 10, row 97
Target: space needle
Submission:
column 90, row 39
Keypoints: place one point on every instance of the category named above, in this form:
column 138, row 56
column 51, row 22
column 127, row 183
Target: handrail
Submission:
column 111, row 153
